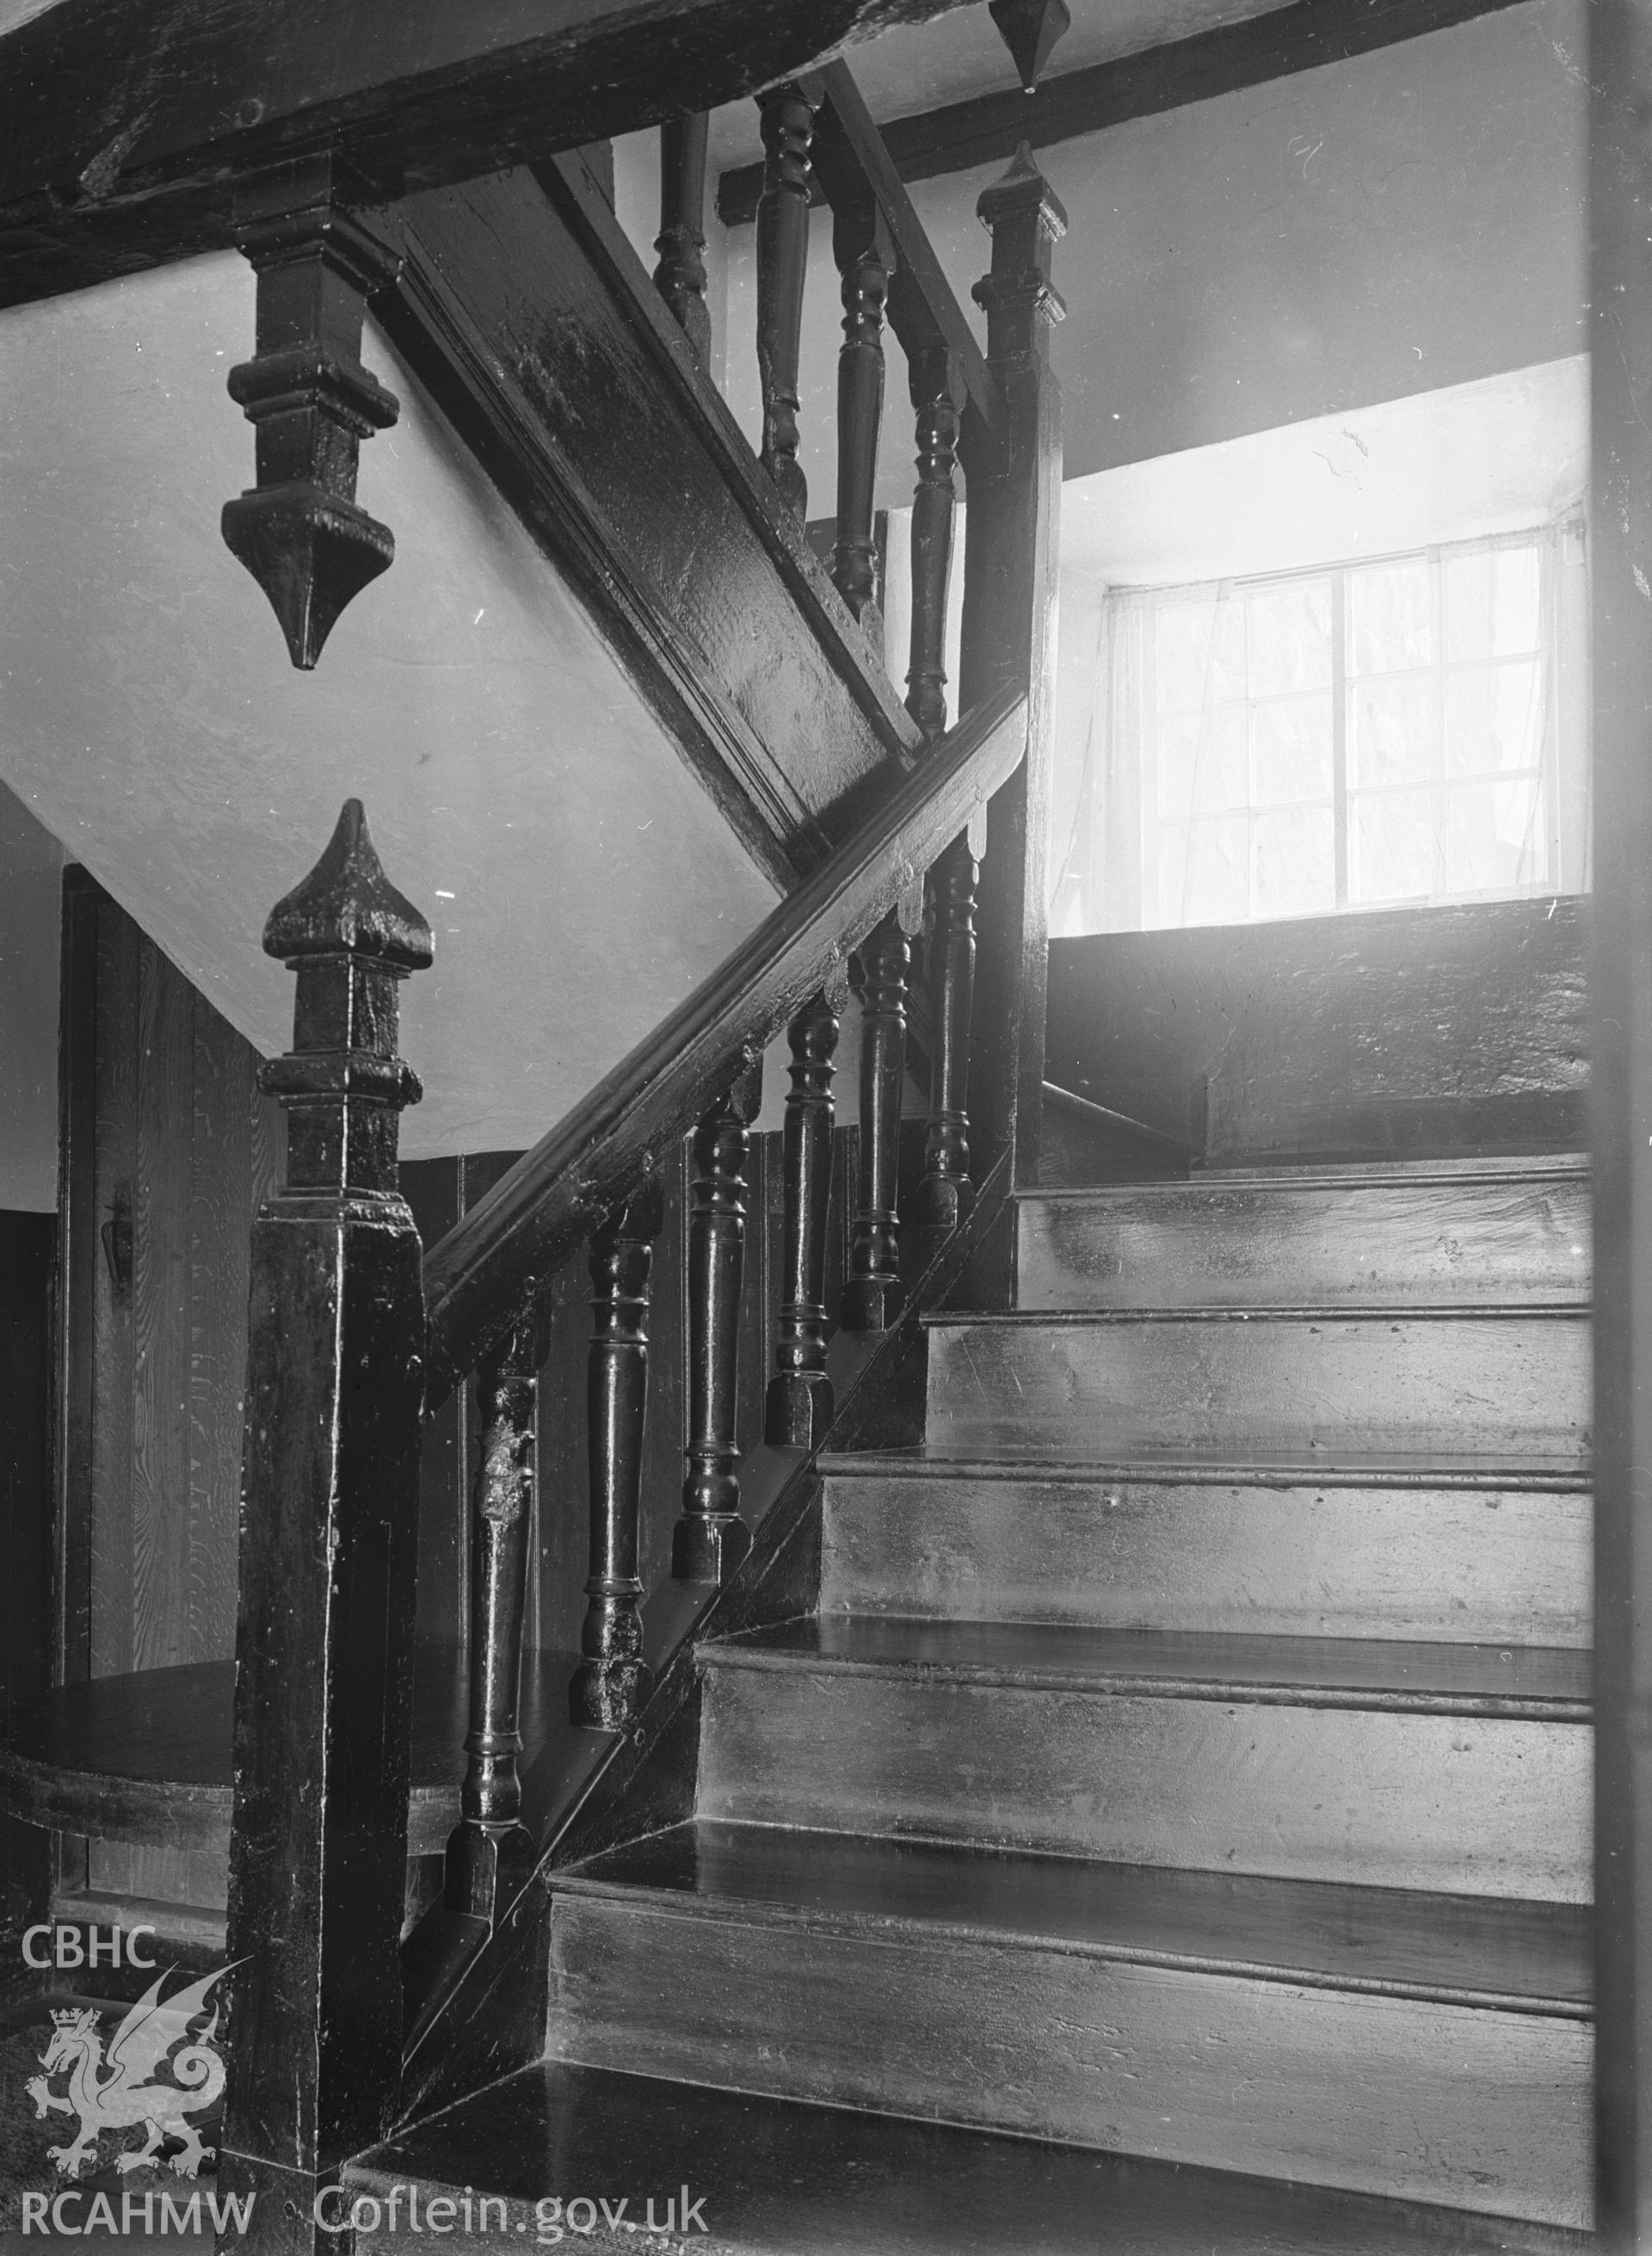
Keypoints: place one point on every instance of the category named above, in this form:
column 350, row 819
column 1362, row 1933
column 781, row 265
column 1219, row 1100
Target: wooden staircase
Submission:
column 1188, row 1760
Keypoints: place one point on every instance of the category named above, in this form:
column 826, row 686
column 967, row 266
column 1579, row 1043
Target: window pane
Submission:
column 1496, row 836
column 1202, row 762
column 1468, row 606
column 1171, row 873
column 1199, row 653
column 1491, row 604
column 1393, row 621
column 1203, row 873
column 1393, row 732
column 1293, row 862
column 1493, row 718
column 1391, row 846
column 1515, row 623
column 1290, row 745
column 1290, row 638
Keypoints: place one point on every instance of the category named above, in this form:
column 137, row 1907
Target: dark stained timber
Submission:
column 488, row 1848
column 799, row 1406
column 613, row 1681
column 324, row 1647
column 1009, row 637
column 710, row 1539
column 1620, row 1009
column 491, row 1264
column 300, row 532
column 937, row 385
column 680, row 277
column 989, row 128
column 582, row 402
column 127, row 132
column 864, row 254
column 1030, row 29
column 872, row 1290
column 945, row 1194
column 852, row 168
column 787, row 113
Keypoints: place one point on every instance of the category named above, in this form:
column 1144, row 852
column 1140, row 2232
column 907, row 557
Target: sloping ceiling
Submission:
column 578, row 879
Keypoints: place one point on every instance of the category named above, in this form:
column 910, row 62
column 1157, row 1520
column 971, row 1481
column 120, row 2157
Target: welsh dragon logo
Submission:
column 115, row 2094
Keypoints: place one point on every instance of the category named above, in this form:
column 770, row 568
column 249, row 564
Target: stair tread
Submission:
column 921, row 1462
column 785, row 2177
column 1377, row 1317
column 1517, row 1168
column 1550, row 1682
column 1516, row 1954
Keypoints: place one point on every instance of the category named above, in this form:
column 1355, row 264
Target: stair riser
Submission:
column 1488, row 2108
column 1472, row 1242
column 1500, row 1391
column 1471, row 1805
column 1506, row 1567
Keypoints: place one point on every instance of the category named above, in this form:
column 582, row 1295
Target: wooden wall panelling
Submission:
column 219, row 1195
column 168, row 1146
column 114, row 1350
column 77, row 1248
column 161, row 1313
column 27, row 1258
column 1397, row 1032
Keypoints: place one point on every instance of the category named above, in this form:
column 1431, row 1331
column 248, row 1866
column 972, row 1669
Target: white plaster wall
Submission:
column 579, row 880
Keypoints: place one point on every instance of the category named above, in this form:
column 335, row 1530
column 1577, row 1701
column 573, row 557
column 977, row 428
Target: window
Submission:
column 1373, row 734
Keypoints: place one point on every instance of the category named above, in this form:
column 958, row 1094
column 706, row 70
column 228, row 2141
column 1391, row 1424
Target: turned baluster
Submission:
column 613, row 1681
column 680, row 277
column 872, row 1292
column 788, row 115
column 489, row 1845
column 798, row 1407
column 938, row 399
column 864, row 254
column 946, row 1192
column 710, row 1538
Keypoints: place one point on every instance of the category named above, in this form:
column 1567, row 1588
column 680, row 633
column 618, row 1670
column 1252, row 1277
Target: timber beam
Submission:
column 990, row 128
column 128, row 127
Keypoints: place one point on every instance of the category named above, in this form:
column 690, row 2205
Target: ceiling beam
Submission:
column 128, row 127
column 989, row 129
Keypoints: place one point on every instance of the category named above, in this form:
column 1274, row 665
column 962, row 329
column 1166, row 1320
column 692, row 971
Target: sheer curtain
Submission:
column 1412, row 729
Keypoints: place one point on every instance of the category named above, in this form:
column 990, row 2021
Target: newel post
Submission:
column 1009, row 638
column 329, row 1534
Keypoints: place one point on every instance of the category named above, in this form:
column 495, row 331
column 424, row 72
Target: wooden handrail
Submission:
column 483, row 1275
column 852, row 165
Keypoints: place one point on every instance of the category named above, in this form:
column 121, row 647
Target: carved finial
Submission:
column 347, row 905
column 1030, row 29
column 1021, row 188
column 1027, row 219
column 299, row 531
column 352, row 939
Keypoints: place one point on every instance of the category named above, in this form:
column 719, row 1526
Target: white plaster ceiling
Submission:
column 579, row 880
